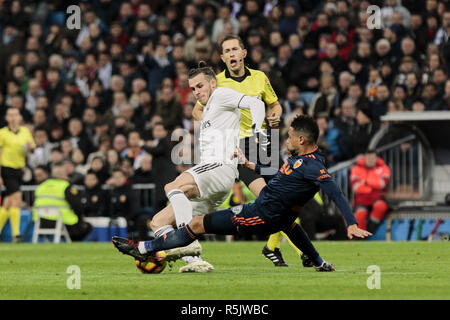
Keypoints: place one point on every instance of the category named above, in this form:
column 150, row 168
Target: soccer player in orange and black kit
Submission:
column 16, row 142
column 298, row 180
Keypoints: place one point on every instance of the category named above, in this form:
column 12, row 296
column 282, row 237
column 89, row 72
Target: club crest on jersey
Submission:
column 237, row 209
column 298, row 163
column 206, row 124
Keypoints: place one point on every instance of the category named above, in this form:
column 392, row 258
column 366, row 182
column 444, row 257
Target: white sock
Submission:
column 181, row 206
column 158, row 233
column 163, row 230
column 141, row 247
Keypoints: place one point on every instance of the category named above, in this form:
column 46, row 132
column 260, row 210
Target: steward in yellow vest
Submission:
column 57, row 192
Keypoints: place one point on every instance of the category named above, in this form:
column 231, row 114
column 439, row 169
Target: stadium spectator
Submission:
column 123, row 202
column 331, row 141
column 41, row 154
column 169, row 108
column 134, row 152
column 369, row 179
column 224, row 16
column 346, row 124
column 323, row 101
column 160, row 148
column 73, row 176
column 379, row 105
column 366, row 127
column 40, row 174
column 94, row 199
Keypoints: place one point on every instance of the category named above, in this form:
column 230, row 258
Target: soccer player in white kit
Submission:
column 202, row 188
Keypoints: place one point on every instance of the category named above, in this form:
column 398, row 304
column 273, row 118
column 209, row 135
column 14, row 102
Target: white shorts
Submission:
column 214, row 181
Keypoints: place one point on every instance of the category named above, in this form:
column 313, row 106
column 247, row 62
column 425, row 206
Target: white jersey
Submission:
column 219, row 131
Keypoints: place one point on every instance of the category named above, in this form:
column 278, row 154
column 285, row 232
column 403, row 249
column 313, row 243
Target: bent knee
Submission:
column 157, row 222
column 197, row 225
column 380, row 205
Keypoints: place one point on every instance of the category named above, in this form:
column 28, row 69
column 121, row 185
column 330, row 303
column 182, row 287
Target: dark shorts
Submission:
column 247, row 175
column 12, row 179
column 244, row 220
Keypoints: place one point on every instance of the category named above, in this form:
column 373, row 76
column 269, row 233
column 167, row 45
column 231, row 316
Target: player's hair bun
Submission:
column 202, row 64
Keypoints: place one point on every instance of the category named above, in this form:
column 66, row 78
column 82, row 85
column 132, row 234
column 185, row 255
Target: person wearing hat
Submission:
column 369, row 179
column 366, row 127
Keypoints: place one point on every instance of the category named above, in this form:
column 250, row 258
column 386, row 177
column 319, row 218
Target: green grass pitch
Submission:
column 409, row 270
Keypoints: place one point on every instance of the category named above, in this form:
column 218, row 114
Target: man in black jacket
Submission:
column 94, row 198
column 123, row 202
column 160, row 148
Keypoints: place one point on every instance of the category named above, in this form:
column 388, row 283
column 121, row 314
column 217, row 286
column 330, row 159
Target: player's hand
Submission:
column 354, row 231
column 1, row 181
column 261, row 138
column 274, row 120
column 243, row 160
column 240, row 155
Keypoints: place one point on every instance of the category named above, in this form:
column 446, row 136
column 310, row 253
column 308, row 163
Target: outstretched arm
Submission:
column 270, row 171
column 257, row 110
column 336, row 195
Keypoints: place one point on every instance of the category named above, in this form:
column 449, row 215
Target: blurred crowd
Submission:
column 110, row 94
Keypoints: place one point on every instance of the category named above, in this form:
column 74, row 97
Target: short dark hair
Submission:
column 307, row 126
column 231, row 37
column 202, row 68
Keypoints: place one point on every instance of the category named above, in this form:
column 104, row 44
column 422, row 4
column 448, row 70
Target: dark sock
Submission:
column 301, row 240
column 173, row 239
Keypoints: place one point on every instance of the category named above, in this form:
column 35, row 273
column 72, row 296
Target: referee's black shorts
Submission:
column 12, row 179
column 247, row 175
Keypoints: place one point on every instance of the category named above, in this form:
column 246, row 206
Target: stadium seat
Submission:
column 104, row 228
column 26, row 227
column 57, row 232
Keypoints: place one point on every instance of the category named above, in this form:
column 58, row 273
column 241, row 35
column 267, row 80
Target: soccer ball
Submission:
column 155, row 264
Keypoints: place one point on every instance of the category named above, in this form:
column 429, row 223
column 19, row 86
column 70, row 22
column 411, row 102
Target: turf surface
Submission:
column 409, row 270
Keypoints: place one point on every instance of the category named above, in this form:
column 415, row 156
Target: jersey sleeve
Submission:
column 229, row 97
column 268, row 95
column 319, row 175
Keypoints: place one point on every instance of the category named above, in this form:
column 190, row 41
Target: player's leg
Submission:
column 174, row 239
column 256, row 183
column 195, row 263
column 162, row 223
column 14, row 215
column 215, row 184
column 301, row 240
column 4, row 213
column 219, row 222
column 178, row 192
column 175, row 191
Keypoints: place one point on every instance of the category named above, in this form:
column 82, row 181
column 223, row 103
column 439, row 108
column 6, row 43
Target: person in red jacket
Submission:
column 369, row 179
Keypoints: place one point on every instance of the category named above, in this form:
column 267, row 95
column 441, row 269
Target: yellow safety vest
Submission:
column 51, row 194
